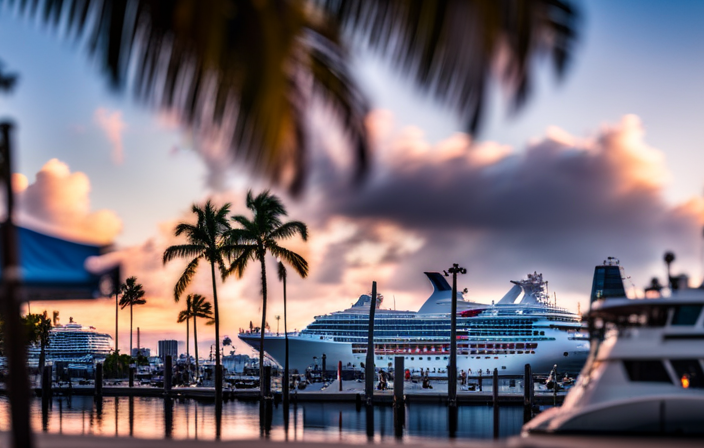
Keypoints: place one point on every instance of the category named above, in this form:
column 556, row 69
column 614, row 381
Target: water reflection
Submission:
column 190, row 419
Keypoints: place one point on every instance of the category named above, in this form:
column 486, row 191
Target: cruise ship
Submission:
column 74, row 343
column 521, row 328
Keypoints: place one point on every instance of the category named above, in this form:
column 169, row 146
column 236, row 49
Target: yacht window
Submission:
column 689, row 372
column 686, row 314
column 648, row 371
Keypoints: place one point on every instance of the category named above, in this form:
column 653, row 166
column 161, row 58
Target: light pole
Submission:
column 452, row 371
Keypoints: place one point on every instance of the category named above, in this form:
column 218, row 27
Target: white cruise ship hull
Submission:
column 305, row 352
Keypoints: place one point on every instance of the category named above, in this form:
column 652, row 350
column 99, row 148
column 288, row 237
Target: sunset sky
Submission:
column 606, row 162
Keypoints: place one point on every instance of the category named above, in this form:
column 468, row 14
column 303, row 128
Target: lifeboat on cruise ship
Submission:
column 471, row 313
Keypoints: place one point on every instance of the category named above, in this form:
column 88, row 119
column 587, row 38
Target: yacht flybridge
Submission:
column 645, row 372
column 521, row 328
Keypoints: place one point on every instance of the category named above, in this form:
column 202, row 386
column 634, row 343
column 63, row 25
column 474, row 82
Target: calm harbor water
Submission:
column 190, row 419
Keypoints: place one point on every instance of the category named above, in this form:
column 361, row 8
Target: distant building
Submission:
column 141, row 351
column 167, row 348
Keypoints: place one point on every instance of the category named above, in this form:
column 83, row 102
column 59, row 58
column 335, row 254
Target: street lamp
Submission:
column 452, row 371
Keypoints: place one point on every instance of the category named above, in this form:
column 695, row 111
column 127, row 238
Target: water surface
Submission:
column 191, row 419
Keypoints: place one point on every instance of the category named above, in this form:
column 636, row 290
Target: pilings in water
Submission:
column 528, row 394
column 46, row 385
column 132, row 377
column 339, row 376
column 266, row 382
column 99, row 380
column 399, row 398
column 369, row 367
column 168, row 371
column 495, row 394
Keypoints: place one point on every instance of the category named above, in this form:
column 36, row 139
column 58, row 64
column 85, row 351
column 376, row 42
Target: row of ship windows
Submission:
column 433, row 335
column 445, row 358
column 526, row 323
column 688, row 372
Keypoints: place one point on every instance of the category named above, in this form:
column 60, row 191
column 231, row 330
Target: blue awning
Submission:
column 54, row 269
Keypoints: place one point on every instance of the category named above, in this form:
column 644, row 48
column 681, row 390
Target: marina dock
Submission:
column 353, row 391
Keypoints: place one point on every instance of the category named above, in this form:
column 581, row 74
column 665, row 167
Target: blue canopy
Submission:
column 54, row 269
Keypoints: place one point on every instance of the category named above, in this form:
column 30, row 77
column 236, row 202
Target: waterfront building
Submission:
column 141, row 351
column 168, row 348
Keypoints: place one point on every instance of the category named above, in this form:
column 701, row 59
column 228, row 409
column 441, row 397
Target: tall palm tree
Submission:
column 254, row 238
column 251, row 69
column 205, row 241
column 282, row 277
column 185, row 316
column 196, row 306
column 132, row 294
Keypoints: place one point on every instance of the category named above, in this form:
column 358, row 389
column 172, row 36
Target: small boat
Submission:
column 645, row 371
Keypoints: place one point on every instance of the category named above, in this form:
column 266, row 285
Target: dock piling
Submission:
column 98, row 380
column 398, row 381
column 131, row 377
column 495, row 392
column 168, row 370
column 266, row 382
column 527, row 394
column 46, row 385
column 369, row 367
column 339, row 376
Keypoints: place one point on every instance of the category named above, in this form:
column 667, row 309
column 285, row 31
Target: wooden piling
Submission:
column 495, row 392
column 99, row 380
column 46, row 384
column 369, row 367
column 265, row 382
column 527, row 394
column 339, row 376
column 398, row 381
column 168, row 370
column 132, row 377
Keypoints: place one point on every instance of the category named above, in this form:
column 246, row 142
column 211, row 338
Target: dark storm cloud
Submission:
column 561, row 206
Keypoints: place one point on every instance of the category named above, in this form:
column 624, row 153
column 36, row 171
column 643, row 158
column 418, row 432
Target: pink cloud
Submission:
column 110, row 122
column 58, row 202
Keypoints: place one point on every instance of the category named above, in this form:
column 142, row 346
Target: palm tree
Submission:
column 196, row 306
column 185, row 316
column 132, row 294
column 251, row 69
column 206, row 242
column 282, row 277
column 255, row 237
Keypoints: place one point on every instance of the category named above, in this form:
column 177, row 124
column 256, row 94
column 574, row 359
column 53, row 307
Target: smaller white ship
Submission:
column 645, row 371
column 74, row 343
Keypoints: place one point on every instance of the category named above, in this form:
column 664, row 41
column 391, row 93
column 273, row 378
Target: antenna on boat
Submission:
column 554, row 294
column 394, row 302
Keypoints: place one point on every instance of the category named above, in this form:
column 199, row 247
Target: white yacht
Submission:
column 521, row 328
column 645, row 372
column 74, row 343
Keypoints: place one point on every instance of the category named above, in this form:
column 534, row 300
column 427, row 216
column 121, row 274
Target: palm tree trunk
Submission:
column 116, row 341
column 188, row 357
column 130, row 330
column 195, row 341
column 218, row 384
column 261, row 338
column 286, row 374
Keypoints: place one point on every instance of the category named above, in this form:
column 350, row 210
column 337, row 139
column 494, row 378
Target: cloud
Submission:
column 562, row 205
column 58, row 202
column 110, row 122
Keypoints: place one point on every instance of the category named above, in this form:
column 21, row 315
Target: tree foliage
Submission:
column 247, row 72
column 253, row 238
